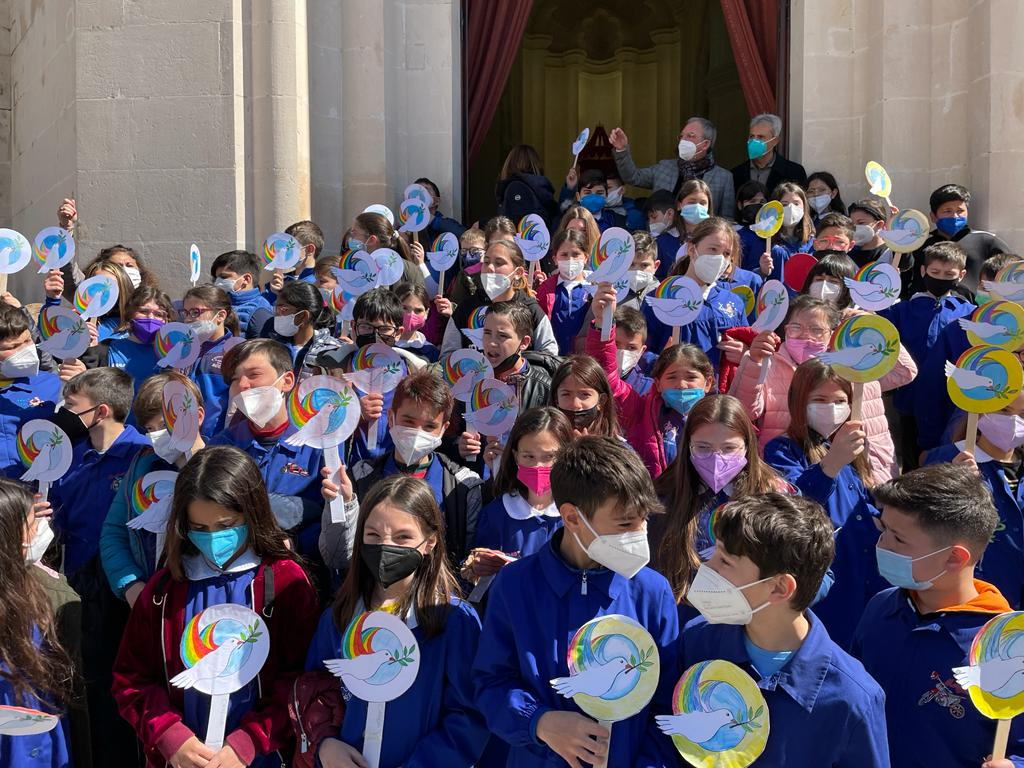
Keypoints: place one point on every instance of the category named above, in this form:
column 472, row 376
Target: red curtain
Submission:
column 494, row 31
column 753, row 27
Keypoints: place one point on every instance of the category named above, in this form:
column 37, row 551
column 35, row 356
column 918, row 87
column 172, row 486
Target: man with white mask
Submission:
column 695, row 161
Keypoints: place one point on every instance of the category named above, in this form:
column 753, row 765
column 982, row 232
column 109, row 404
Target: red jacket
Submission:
column 726, row 369
column 149, row 657
column 545, row 295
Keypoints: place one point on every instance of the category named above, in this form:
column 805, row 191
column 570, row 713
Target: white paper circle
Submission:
column 386, row 660
column 229, row 656
column 15, row 251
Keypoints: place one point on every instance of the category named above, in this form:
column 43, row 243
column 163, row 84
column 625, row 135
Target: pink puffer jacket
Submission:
column 768, row 407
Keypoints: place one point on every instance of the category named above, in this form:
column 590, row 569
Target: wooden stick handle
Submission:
column 971, row 439
column 1002, row 736
column 858, row 400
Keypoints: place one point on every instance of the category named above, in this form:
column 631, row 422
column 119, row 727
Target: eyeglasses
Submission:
column 831, row 243
column 159, row 314
column 194, row 313
column 384, row 331
column 703, row 451
column 795, row 329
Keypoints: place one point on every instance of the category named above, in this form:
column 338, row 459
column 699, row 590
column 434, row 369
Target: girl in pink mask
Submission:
column 523, row 515
column 716, row 461
column 415, row 313
column 805, row 333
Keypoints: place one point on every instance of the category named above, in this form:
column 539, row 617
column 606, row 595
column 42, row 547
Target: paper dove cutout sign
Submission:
column 45, row 451
column 994, row 678
column 444, row 252
column 876, row 286
column 356, row 272
column 54, row 248
column 719, row 716
column 474, row 330
column 96, row 296
column 181, row 416
column 64, row 333
column 878, row 178
column 21, row 721
column 997, row 324
column 390, row 266
column 281, row 251
column 15, row 251
column 492, row 408
column 611, row 257
column 419, row 192
column 381, row 210
column 376, row 368
column 984, row 379
column 863, row 348
column 151, row 501
column 772, row 306
column 676, row 301
column 325, row 411
column 414, row 215
column 1009, row 283
column 748, row 298
column 768, row 220
column 462, row 369
column 380, row 657
column 613, row 668
column 532, row 237
column 580, row 143
column 195, row 264
column 907, row 231
column 176, row 345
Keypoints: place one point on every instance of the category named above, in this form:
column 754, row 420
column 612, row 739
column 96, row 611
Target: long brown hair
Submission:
column 531, row 422
column 810, row 375
column 377, row 225
column 141, row 296
column 124, row 285
column 588, row 372
column 106, row 254
column 805, row 229
column 710, row 226
column 522, row 158
column 685, row 494
column 226, row 476
column 593, row 232
column 42, row 669
column 433, row 586
column 216, row 300
column 685, row 190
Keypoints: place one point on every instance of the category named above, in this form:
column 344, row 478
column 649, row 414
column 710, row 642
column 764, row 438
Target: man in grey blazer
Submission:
column 696, row 161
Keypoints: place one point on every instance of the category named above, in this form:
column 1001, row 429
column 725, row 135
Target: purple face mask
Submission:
column 718, row 469
column 145, row 328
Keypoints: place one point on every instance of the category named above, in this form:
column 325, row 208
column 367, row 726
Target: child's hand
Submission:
column 225, row 758
column 277, row 281
column 94, row 333
column 604, row 296
column 486, row 562
column 493, row 450
column 53, row 285
column 539, row 277
column 618, row 139
column 573, row 737
column 41, row 508
column 965, row 459
column 469, row 444
column 733, row 350
column 337, row 754
column 764, row 345
column 572, row 178
column 67, row 214
column 69, row 369
column 847, row 444
column 443, row 306
column 192, row 754
column 330, row 489
column 132, row 592
column 767, row 264
column 1001, row 763
column 417, row 253
column 371, row 406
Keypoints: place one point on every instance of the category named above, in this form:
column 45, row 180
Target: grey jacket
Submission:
column 664, row 174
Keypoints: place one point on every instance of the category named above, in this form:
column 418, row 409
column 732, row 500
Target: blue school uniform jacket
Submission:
column 722, row 310
column 536, row 606
column 136, row 359
column 782, row 251
column 825, row 709
column 637, row 381
column 1002, row 563
column 668, row 246
column 207, row 376
column 931, row 720
column 753, row 249
column 847, row 502
column 920, row 321
column 572, row 303
column 22, row 399
column 44, row 750
column 82, row 498
column 509, row 525
column 746, row 278
column 252, row 310
column 435, row 723
column 932, row 406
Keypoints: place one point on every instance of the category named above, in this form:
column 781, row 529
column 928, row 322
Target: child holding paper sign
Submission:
column 237, row 274
column 223, row 547
column 563, row 296
column 207, row 310
column 796, row 234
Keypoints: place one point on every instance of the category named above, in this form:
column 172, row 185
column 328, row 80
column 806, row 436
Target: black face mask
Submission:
column 507, row 363
column 390, row 563
column 937, row 286
column 581, row 419
column 365, row 339
column 72, row 423
column 748, row 213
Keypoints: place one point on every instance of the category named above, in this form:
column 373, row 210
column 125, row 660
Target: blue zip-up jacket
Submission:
column 1002, row 563
column 931, row 720
column 508, row 525
column 932, row 406
column 752, row 247
column 45, row 750
column 637, row 381
column 920, row 321
column 252, row 311
column 722, row 310
column 536, row 606
column 207, row 376
column 668, row 246
column 825, row 709
column 435, row 723
column 20, row 400
column 847, row 502
column 136, row 359
column 82, row 498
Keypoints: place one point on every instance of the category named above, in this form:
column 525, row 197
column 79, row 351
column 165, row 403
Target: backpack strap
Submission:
column 268, row 591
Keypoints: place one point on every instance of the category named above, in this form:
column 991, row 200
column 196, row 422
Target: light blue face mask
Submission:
column 220, row 546
column 355, row 244
column 756, row 148
column 898, row 569
column 694, row 213
column 682, row 400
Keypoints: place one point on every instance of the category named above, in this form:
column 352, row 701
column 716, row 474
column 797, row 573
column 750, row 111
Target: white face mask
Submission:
column 226, row 284
column 161, row 440
column 412, row 444
column 627, row 359
column 687, row 149
column 570, row 269
column 40, row 542
column 134, row 276
column 862, row 234
column 495, row 284
column 823, row 290
column 792, row 214
column 285, row 325
column 203, row 329
column 24, row 362
column 614, row 198
column 640, row 280
column 709, row 267
column 719, row 600
column 819, row 202
column 826, row 418
column 624, row 553
column 260, row 404
column 657, row 227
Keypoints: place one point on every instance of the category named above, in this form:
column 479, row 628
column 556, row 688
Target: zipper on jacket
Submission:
column 303, row 741
column 163, row 640
column 583, row 584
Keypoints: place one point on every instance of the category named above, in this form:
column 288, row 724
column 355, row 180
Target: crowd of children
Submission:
column 713, row 487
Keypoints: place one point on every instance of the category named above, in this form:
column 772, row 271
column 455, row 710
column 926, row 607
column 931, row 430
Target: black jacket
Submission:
column 978, row 244
column 782, row 170
column 539, row 198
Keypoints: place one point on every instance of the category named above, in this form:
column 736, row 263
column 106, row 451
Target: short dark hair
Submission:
column 632, row 321
column 306, row 297
column 593, row 470
column 592, row 176
column 307, row 233
column 105, row 386
column 378, row 304
column 239, row 262
column 950, row 502
column 948, row 193
column 428, row 391
column 871, row 207
column 780, row 533
column 839, row 221
column 405, row 290
column 13, row 322
column 837, row 265
column 660, row 200
column 991, row 266
column 434, row 190
column 277, row 355
column 518, row 314
column 946, row 251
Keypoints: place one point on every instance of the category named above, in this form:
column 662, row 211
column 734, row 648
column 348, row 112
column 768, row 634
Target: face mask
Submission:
column 709, row 267
column 682, row 400
column 325, row 294
column 226, row 284
column 863, row 234
column 687, row 149
column 203, row 329
column 898, row 569
column 937, row 286
column 134, row 276
column 823, row 290
column 365, row 339
column 950, row 225
column 656, row 228
column 40, row 542
column 1006, row 432
column 719, row 600
column 826, row 418
column 792, row 214
column 748, row 213
column 145, row 328
column 802, row 350
column 260, row 404
column 756, row 148
column 981, row 298
column 624, row 553
column 219, row 547
column 640, row 280
column 471, row 257
column 412, row 322
column 819, row 202
column 614, row 198
column 72, row 423
column 694, row 213
column 581, row 419
column 570, row 269
column 537, row 479
column 717, row 470
column 390, row 563
column 494, row 284
column 627, row 359
column 593, row 203
column 412, row 444
column 355, row 244
column 24, row 362
column 161, row 442
column 285, row 325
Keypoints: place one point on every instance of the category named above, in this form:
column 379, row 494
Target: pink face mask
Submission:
column 537, row 479
column 718, row 469
column 802, row 350
column 413, row 322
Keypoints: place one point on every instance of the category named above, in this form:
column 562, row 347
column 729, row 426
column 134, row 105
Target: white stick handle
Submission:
column 608, row 745
column 371, row 434
column 440, row 283
column 160, row 538
column 481, row 588
column 373, row 735
column 606, row 323
column 218, row 720
column 44, row 491
column 333, row 460
column 765, row 367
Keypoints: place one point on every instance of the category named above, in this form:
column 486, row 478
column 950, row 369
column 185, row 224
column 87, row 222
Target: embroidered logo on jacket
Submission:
column 946, row 694
column 291, row 468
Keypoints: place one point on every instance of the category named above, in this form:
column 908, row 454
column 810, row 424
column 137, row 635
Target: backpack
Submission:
column 316, row 710
column 519, row 200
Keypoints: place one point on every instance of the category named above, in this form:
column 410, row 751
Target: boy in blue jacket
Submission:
column 237, row 274
column 661, row 223
column 935, row 522
column 311, row 239
column 771, row 554
column 592, row 567
column 631, row 349
column 590, row 189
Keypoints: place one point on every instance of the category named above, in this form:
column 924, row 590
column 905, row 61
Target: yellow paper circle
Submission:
column 995, row 677
column 984, row 380
column 864, row 348
column 747, row 296
column 878, row 178
column 996, row 324
column 769, row 219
